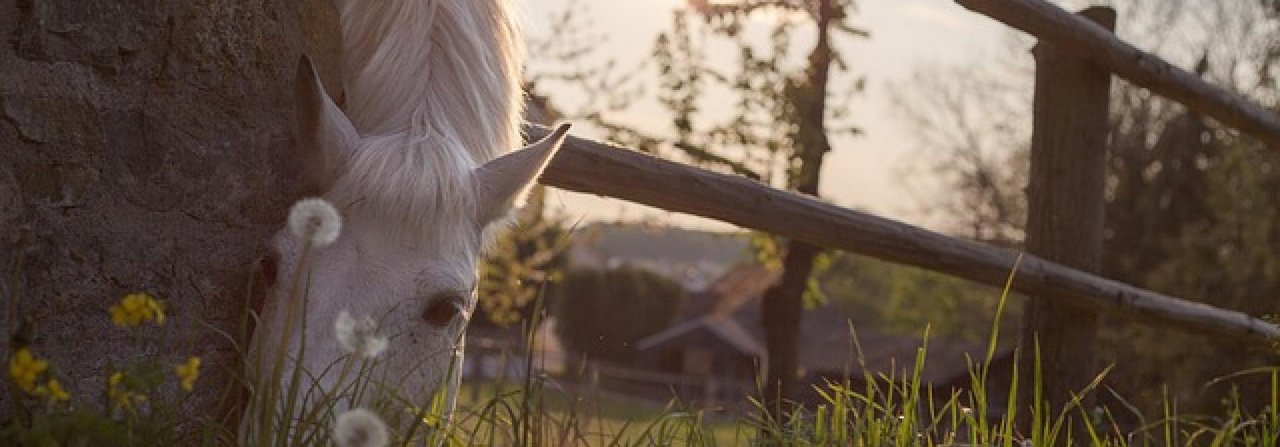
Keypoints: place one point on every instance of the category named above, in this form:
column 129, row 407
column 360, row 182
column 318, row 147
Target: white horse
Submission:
column 416, row 162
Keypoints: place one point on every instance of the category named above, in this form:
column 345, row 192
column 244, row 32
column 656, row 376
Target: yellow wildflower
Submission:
column 135, row 309
column 188, row 372
column 56, row 392
column 25, row 368
column 53, row 390
column 121, row 397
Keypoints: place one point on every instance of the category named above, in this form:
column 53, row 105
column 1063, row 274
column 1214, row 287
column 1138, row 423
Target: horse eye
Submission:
column 442, row 309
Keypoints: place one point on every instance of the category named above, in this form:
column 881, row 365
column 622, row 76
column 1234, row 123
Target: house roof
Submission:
column 731, row 293
column 742, row 285
column 725, row 328
column 714, row 310
column 729, row 309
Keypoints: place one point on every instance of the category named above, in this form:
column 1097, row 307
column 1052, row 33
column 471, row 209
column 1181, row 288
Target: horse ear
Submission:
column 504, row 181
column 326, row 138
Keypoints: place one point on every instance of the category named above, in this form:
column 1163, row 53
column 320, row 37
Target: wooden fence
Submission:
column 598, row 168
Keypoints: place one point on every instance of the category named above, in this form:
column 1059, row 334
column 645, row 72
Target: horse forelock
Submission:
column 433, row 87
column 435, row 67
column 418, row 191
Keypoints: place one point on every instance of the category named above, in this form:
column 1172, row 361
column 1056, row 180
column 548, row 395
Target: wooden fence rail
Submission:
column 1087, row 40
column 597, row 168
column 592, row 167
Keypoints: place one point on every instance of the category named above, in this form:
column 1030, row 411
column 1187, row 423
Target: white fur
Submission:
column 432, row 88
column 439, row 78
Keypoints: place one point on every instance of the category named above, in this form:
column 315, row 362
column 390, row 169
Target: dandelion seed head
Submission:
column 315, row 220
column 359, row 336
column 360, row 428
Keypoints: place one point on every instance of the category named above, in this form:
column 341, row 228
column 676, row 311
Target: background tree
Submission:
column 570, row 56
column 1190, row 204
column 971, row 126
column 529, row 255
column 778, row 132
column 521, row 263
column 784, row 111
column 603, row 313
column 899, row 299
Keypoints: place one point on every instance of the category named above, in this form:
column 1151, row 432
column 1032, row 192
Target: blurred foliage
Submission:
column 571, row 57
column 769, row 132
column 905, row 300
column 1192, row 206
column 783, row 110
column 768, row 250
column 603, row 313
column 783, row 106
column 521, row 261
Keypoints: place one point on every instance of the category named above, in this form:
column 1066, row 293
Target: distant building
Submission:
column 718, row 342
column 692, row 258
column 711, row 340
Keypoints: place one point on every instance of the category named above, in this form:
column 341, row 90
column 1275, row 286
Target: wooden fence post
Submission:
column 1065, row 215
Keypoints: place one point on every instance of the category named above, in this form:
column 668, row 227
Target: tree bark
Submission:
column 1065, row 216
column 144, row 146
column 783, row 304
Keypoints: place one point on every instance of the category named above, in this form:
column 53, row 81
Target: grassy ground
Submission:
column 580, row 416
column 896, row 411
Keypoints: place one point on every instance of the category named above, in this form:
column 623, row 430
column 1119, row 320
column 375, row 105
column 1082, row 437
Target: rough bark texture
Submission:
column 144, row 146
column 1065, row 211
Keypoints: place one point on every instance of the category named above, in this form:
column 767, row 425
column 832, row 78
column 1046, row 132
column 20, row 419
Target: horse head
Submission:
column 416, row 212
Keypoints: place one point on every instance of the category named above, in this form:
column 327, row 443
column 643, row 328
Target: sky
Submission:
column 863, row 172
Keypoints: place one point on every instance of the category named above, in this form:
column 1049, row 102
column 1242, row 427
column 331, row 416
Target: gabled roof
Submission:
column 729, row 310
column 734, row 291
column 741, row 286
column 716, row 309
column 725, row 328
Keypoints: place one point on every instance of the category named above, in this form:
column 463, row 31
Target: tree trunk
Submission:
column 782, row 309
column 783, row 304
column 1065, row 215
column 144, row 146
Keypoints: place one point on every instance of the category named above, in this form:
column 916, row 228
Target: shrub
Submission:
column 603, row 313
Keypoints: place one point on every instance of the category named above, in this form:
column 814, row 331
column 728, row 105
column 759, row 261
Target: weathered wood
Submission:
column 592, row 167
column 1066, row 202
column 1086, row 39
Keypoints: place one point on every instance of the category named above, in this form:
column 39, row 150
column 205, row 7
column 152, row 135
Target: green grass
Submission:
column 593, row 418
column 895, row 409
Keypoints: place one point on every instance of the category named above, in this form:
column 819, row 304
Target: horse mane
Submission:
column 433, row 88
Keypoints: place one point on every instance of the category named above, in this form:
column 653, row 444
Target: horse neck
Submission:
column 437, row 69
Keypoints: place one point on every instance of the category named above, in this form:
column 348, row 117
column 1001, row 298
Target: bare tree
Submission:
column 1185, row 210
column 974, row 127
